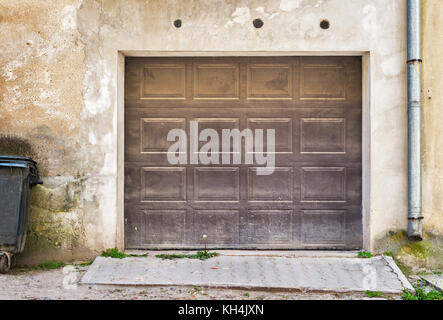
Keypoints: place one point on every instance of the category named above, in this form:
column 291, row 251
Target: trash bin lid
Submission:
column 16, row 161
column 14, row 158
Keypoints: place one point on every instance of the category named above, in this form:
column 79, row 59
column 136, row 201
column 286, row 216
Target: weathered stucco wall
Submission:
column 44, row 113
column 432, row 127
column 59, row 94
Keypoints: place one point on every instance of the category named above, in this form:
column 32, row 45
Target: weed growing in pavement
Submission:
column 202, row 255
column 115, row 253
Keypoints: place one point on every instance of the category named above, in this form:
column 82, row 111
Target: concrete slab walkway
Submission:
column 233, row 269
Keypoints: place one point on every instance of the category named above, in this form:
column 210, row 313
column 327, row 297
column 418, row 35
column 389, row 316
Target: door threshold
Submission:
column 264, row 253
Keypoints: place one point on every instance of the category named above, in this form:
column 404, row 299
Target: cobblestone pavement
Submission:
column 327, row 274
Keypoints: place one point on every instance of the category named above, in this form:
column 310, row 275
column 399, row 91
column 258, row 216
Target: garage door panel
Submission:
column 216, row 81
column 323, row 227
column 329, row 226
column 162, row 184
column 270, row 81
column 220, row 226
column 154, row 184
column 216, row 124
column 282, row 128
column 163, row 226
column 276, row 187
column 327, row 139
column 220, row 184
column 323, row 184
column 319, row 182
column 270, row 226
column 313, row 197
column 163, row 81
column 323, row 136
column 146, row 137
column 325, row 81
column 154, row 132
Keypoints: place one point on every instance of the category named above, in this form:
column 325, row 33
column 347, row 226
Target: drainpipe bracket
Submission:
column 414, row 60
column 415, row 218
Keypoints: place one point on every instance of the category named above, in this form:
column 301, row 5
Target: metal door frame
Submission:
column 366, row 132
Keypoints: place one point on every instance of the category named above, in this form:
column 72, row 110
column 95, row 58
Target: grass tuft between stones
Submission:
column 115, row 253
column 364, row 254
column 373, row 294
column 422, row 294
column 202, row 255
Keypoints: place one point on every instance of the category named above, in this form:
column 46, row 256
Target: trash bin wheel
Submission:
column 5, row 264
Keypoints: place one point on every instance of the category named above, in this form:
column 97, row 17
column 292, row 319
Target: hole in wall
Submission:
column 324, row 24
column 177, row 23
column 258, row 23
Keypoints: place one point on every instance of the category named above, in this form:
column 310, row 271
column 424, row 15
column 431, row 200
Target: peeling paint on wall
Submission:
column 289, row 5
column 241, row 15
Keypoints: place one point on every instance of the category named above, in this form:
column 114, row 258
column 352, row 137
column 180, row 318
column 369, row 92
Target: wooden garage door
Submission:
column 313, row 198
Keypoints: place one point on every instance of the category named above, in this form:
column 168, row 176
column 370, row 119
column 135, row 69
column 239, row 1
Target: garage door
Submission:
column 312, row 199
